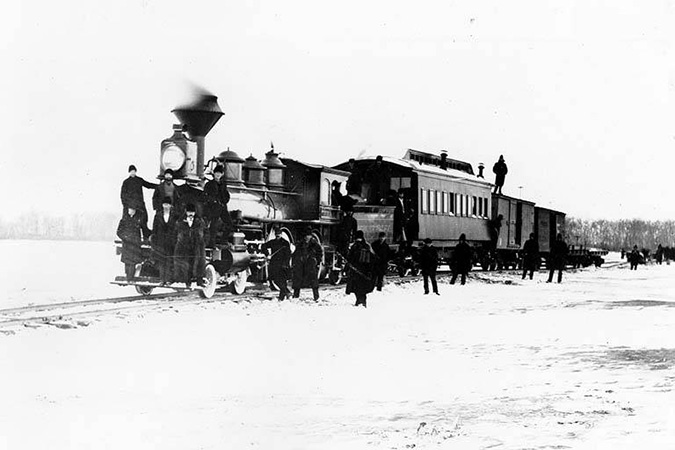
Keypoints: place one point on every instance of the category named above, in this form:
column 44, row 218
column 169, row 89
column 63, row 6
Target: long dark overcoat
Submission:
column 559, row 252
column 428, row 257
column 163, row 236
column 381, row 250
column 280, row 261
column 531, row 254
column 361, row 260
column 306, row 260
column 189, row 252
column 500, row 171
column 129, row 231
column 462, row 258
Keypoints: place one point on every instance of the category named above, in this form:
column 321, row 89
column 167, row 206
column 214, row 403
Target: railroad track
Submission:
column 58, row 314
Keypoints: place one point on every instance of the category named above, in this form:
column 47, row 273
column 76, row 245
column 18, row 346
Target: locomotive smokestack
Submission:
column 199, row 117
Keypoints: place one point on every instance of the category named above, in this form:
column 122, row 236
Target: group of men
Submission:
column 187, row 218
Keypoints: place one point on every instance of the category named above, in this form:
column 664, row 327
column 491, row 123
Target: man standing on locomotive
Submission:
column 217, row 214
column 429, row 264
column 189, row 254
column 500, row 171
column 164, row 241
column 167, row 188
column 381, row 250
column 132, row 197
column 279, row 262
column 129, row 232
column 306, row 260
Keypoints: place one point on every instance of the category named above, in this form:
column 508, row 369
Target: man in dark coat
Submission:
column 530, row 256
column 132, row 197
column 346, row 231
column 354, row 181
column 307, row 257
column 428, row 264
column 361, row 260
column 164, row 241
column 189, row 253
column 279, row 264
column 129, row 231
column 377, row 179
column 461, row 259
column 217, row 214
column 634, row 258
column 381, row 250
column 167, row 188
column 659, row 254
column 500, row 171
column 558, row 256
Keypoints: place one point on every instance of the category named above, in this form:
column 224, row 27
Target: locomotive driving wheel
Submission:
column 239, row 283
column 144, row 290
column 210, row 282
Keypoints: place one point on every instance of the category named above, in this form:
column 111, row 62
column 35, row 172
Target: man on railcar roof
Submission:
column 500, row 171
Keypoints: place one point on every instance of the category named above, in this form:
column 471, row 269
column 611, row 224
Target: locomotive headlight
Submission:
column 173, row 157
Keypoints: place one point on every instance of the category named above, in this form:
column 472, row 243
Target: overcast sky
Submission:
column 577, row 95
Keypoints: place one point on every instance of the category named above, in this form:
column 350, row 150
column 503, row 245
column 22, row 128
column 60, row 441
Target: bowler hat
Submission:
column 170, row 171
column 218, row 169
column 190, row 207
column 131, row 167
column 166, row 201
column 359, row 234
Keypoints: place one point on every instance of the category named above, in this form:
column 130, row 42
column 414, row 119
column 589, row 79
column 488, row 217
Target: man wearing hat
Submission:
column 354, row 181
column 500, row 171
column 132, row 197
column 189, row 254
column 429, row 264
column 129, row 232
column 361, row 260
column 278, row 266
column 167, row 188
column 381, row 250
column 217, row 197
column 306, row 260
column 164, row 240
column 461, row 259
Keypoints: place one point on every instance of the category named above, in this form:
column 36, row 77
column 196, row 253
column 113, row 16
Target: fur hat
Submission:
column 168, row 171
column 131, row 167
column 218, row 169
column 190, row 207
column 427, row 241
column 359, row 234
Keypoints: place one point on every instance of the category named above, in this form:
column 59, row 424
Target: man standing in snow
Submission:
column 634, row 258
column 129, row 232
column 530, row 256
column 429, row 264
column 381, row 250
column 306, row 260
column 279, row 262
column 461, row 260
column 558, row 255
column 361, row 259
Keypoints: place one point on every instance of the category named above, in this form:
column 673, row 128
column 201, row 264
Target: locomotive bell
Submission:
column 198, row 119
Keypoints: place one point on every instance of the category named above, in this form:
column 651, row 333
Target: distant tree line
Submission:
column 618, row 234
column 82, row 226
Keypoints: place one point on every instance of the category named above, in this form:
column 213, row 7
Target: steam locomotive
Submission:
column 420, row 195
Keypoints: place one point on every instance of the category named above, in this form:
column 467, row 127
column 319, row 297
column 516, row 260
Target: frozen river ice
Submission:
column 498, row 363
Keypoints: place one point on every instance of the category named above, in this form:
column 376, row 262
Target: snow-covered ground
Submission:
column 498, row 363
